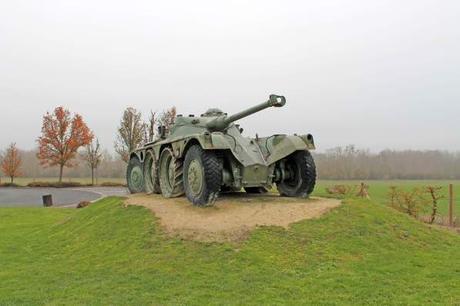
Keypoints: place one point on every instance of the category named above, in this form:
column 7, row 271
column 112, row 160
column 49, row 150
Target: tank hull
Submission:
column 201, row 157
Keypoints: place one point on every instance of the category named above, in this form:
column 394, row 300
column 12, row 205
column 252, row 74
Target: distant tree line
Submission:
column 338, row 163
column 352, row 163
column 109, row 166
column 67, row 142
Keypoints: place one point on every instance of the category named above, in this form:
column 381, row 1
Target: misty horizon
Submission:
column 379, row 75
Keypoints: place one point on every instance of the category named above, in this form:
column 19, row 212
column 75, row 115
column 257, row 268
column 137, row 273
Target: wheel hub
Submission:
column 171, row 172
column 136, row 177
column 195, row 177
column 153, row 173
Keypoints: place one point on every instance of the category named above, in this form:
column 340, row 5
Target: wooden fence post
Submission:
column 451, row 204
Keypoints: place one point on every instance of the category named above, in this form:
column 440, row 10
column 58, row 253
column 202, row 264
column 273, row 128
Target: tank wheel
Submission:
column 301, row 175
column 202, row 176
column 152, row 181
column 135, row 176
column 255, row 190
column 171, row 175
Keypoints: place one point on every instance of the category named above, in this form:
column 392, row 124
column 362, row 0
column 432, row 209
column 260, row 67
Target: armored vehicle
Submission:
column 203, row 156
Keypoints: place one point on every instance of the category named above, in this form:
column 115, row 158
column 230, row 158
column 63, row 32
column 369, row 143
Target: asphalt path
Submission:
column 32, row 197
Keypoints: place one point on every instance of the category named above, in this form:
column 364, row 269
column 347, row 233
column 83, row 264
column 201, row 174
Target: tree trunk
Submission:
column 92, row 176
column 12, row 179
column 61, row 170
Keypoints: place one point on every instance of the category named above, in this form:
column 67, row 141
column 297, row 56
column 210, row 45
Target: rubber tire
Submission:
column 212, row 176
column 132, row 164
column 305, row 180
column 177, row 188
column 152, row 183
column 255, row 190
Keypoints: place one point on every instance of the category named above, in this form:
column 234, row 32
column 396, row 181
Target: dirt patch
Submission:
column 233, row 216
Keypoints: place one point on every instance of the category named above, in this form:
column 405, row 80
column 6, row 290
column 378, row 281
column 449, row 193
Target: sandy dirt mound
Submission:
column 233, row 216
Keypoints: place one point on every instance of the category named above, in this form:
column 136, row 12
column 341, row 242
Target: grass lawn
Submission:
column 378, row 190
column 360, row 253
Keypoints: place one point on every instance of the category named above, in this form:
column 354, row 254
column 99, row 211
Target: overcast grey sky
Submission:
column 378, row 74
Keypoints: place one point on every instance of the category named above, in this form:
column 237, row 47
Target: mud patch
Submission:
column 233, row 216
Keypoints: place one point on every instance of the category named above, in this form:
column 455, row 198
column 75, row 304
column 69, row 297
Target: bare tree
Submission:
column 151, row 126
column 93, row 157
column 167, row 118
column 435, row 194
column 131, row 133
column 111, row 166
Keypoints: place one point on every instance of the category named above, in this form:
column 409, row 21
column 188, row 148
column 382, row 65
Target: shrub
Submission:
column 341, row 189
column 416, row 201
column 9, row 185
column 112, row 184
column 56, row 184
column 83, row 204
column 360, row 190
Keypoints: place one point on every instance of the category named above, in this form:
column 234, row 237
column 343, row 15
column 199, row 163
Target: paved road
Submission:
column 105, row 191
column 32, row 197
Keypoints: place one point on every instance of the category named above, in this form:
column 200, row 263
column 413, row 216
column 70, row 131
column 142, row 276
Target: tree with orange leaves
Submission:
column 62, row 136
column 11, row 162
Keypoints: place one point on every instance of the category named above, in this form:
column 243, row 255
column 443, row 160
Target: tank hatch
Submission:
column 213, row 112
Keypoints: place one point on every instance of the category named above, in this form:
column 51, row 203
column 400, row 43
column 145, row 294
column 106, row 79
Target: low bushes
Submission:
column 72, row 184
column 111, row 184
column 349, row 190
column 56, row 184
column 83, row 204
column 9, row 185
column 421, row 203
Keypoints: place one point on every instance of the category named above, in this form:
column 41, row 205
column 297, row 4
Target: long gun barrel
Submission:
column 223, row 122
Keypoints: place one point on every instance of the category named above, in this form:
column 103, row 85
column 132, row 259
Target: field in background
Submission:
column 378, row 190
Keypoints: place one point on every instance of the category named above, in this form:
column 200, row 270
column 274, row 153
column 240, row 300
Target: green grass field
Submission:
column 360, row 253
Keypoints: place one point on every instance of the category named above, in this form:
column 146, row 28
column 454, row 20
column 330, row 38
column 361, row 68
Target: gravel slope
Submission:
column 233, row 216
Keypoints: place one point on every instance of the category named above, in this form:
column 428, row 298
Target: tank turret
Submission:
column 223, row 121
